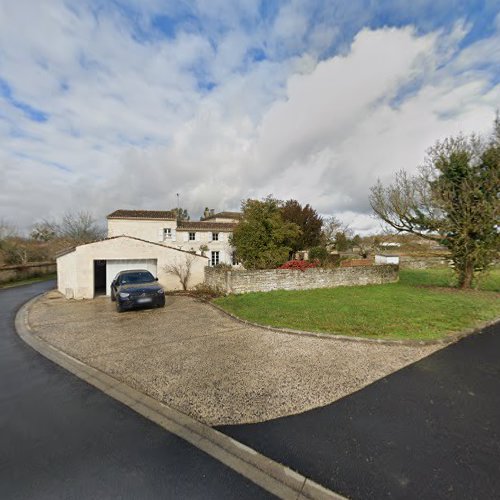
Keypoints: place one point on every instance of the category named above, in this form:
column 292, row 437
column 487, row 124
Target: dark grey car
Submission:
column 136, row 288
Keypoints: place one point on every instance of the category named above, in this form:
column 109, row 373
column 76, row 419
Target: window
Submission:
column 214, row 258
column 192, row 236
column 215, row 236
column 234, row 259
column 167, row 233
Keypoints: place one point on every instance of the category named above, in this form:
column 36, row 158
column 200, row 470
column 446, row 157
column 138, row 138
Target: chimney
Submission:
column 212, row 211
column 206, row 213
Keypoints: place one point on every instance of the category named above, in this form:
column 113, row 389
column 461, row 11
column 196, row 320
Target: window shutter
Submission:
column 221, row 236
column 186, row 236
column 160, row 234
column 197, row 236
column 174, row 233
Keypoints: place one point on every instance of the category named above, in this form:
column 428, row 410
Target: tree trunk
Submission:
column 467, row 275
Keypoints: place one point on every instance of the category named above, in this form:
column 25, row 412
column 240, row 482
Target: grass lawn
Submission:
column 423, row 306
column 45, row 277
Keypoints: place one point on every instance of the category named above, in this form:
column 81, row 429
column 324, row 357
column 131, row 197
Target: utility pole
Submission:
column 178, row 207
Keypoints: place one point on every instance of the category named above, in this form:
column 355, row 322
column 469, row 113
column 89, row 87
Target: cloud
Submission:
column 223, row 103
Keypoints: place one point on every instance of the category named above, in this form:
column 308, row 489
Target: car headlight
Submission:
column 124, row 295
column 161, row 292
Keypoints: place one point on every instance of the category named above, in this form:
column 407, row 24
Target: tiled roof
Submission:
column 143, row 214
column 161, row 245
column 224, row 215
column 206, row 226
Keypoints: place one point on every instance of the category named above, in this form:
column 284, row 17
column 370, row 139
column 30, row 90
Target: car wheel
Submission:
column 113, row 296
column 119, row 308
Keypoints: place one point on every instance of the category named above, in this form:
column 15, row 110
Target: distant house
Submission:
column 147, row 239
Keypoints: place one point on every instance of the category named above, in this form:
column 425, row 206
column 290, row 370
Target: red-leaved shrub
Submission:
column 299, row 265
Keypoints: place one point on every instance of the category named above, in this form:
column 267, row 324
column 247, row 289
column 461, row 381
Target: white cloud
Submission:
column 135, row 123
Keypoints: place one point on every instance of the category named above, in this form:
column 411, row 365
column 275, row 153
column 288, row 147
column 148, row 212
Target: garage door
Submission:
column 113, row 267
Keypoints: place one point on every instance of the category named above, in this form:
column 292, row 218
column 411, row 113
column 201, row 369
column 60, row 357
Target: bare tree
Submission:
column 332, row 227
column 77, row 227
column 407, row 205
column 43, row 231
column 7, row 230
column 182, row 269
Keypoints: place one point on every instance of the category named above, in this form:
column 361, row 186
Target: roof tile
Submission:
column 143, row 214
column 206, row 226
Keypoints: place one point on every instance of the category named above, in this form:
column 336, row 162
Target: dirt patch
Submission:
column 205, row 364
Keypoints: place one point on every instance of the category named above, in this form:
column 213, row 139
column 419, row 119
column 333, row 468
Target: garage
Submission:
column 86, row 271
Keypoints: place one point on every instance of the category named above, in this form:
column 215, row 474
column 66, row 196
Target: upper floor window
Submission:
column 215, row 236
column 192, row 236
column 167, row 233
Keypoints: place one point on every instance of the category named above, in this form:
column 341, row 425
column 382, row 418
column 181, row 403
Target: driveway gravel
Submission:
column 196, row 359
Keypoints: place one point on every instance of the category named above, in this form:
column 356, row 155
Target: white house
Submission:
column 146, row 239
column 209, row 236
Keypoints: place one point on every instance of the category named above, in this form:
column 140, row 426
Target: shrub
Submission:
column 299, row 265
column 207, row 292
column 224, row 266
column 318, row 253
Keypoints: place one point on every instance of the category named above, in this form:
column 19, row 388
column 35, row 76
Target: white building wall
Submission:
column 66, row 274
column 149, row 230
column 386, row 259
column 76, row 269
column 224, row 219
column 204, row 238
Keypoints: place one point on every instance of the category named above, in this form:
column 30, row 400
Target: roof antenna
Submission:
column 178, row 208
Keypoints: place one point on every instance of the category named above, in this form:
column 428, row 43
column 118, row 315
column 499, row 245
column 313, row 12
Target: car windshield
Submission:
column 138, row 277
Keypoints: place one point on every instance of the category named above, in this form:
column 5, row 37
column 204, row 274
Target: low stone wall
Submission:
column 411, row 262
column 25, row 271
column 239, row 281
column 356, row 262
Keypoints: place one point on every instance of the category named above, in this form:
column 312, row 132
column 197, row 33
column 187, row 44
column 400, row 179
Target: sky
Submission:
column 108, row 104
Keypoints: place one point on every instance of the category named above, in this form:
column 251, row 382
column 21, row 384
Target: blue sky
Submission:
column 121, row 104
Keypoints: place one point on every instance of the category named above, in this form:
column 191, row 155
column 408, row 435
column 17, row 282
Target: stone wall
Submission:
column 239, row 281
column 414, row 262
column 25, row 271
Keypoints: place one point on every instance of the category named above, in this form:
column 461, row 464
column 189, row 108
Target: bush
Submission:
column 299, row 265
column 318, row 253
column 224, row 266
column 206, row 292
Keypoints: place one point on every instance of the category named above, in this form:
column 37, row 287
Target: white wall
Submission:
column 149, row 230
column 386, row 259
column 205, row 238
column 76, row 269
column 224, row 219
column 66, row 274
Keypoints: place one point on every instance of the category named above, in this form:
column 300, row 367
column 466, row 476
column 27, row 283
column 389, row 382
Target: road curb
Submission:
column 268, row 474
column 455, row 337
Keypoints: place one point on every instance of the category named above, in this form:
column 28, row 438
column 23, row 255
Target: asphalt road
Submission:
column 431, row 430
column 62, row 438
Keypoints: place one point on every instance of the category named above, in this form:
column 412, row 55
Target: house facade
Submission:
column 209, row 237
column 151, row 240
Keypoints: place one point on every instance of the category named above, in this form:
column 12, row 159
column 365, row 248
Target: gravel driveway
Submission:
column 196, row 359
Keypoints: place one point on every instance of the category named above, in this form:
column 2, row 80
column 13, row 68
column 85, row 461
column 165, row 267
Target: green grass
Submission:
column 422, row 306
column 28, row 281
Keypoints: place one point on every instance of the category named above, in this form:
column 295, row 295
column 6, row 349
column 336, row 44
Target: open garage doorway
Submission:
column 99, row 277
